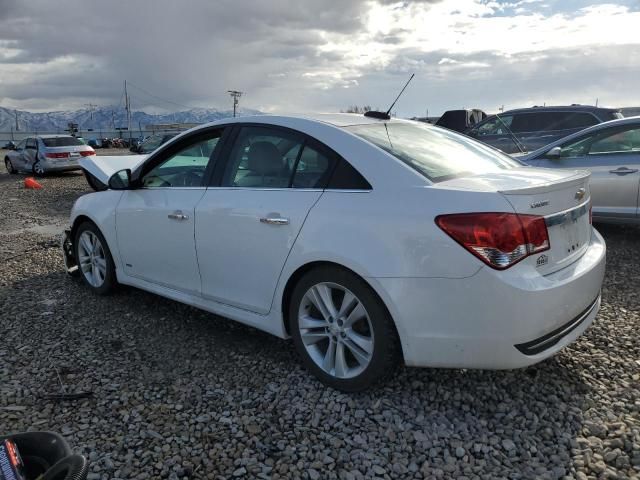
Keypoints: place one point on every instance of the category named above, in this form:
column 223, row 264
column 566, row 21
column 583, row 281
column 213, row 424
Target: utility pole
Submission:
column 235, row 94
column 90, row 107
column 128, row 107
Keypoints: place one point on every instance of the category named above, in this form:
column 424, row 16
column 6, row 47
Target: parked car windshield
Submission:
column 62, row 142
column 436, row 153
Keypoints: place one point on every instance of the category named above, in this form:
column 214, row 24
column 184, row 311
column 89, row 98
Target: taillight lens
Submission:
column 498, row 239
column 57, row 154
column 87, row 153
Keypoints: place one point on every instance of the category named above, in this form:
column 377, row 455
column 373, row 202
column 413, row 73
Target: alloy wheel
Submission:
column 92, row 259
column 38, row 169
column 336, row 330
column 8, row 165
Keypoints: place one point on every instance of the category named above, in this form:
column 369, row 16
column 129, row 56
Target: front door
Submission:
column 155, row 223
column 613, row 158
column 246, row 226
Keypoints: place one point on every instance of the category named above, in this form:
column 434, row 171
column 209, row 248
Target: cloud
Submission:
column 302, row 55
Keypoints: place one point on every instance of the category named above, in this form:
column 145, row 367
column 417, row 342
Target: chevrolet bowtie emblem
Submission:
column 580, row 194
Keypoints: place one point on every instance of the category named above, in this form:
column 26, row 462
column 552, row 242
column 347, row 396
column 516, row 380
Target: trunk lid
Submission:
column 561, row 196
column 102, row 167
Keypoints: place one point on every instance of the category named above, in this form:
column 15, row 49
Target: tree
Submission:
column 356, row 109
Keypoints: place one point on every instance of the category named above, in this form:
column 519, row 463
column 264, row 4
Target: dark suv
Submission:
column 527, row 129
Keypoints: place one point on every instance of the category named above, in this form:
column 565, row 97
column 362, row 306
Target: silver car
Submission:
column 47, row 153
column 611, row 152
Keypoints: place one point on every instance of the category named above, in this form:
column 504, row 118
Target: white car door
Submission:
column 246, row 226
column 155, row 222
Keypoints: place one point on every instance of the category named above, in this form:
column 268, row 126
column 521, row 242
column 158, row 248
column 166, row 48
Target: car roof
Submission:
column 562, row 108
column 335, row 119
column 600, row 126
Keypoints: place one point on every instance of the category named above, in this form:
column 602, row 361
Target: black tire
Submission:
column 73, row 467
column 9, row 166
column 386, row 353
column 34, row 168
column 110, row 281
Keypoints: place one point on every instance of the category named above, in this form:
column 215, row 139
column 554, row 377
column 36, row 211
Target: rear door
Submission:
column 249, row 219
column 613, row 157
column 155, row 224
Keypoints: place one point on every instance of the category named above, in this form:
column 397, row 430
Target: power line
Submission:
column 158, row 97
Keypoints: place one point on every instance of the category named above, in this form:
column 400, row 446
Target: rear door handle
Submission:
column 623, row 171
column 275, row 221
column 178, row 215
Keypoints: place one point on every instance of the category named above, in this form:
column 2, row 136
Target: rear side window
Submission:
column 577, row 120
column 436, row 153
column 312, row 169
column 62, row 142
column 345, row 177
column 31, row 143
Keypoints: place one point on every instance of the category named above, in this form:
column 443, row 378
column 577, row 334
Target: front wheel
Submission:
column 94, row 259
column 9, row 166
column 342, row 330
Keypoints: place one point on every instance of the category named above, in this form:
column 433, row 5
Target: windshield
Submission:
column 62, row 142
column 436, row 153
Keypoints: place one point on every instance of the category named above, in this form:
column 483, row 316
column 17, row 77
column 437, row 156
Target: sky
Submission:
column 318, row 56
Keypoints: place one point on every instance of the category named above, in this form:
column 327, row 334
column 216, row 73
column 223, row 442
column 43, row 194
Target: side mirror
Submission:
column 121, row 180
column 554, row 153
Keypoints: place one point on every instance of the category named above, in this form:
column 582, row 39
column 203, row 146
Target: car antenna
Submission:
column 385, row 115
column 512, row 135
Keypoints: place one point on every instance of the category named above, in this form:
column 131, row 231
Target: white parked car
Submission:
column 367, row 241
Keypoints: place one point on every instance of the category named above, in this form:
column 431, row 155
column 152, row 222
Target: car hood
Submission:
column 102, row 167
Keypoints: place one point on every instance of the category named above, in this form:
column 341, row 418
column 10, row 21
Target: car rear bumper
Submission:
column 60, row 166
column 493, row 319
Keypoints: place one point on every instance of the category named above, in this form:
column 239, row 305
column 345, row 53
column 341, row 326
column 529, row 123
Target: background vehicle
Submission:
column 10, row 145
column 152, row 142
column 47, row 153
column 460, row 120
column 365, row 240
column 611, row 152
column 536, row 127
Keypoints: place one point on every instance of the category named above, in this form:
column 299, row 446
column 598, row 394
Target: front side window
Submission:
column 607, row 142
column 20, row 146
column 498, row 125
column 620, row 142
column 186, row 168
column 436, row 153
column 31, row 143
column 263, row 157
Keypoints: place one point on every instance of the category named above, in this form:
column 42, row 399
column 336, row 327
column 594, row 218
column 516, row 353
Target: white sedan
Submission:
column 368, row 241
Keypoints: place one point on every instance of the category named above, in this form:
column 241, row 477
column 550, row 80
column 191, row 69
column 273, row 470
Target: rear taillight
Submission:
column 498, row 239
column 87, row 153
column 57, row 154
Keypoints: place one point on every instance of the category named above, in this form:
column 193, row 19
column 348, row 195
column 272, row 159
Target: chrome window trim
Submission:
column 570, row 214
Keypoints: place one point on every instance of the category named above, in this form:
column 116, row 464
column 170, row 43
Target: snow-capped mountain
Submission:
column 106, row 118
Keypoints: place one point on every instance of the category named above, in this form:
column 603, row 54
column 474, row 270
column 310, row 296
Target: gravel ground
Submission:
column 178, row 393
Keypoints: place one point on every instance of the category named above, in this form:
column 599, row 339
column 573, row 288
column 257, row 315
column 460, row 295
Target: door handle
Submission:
column 275, row 221
column 178, row 215
column 623, row 170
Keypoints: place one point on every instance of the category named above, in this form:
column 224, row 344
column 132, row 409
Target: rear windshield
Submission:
column 62, row 142
column 436, row 153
